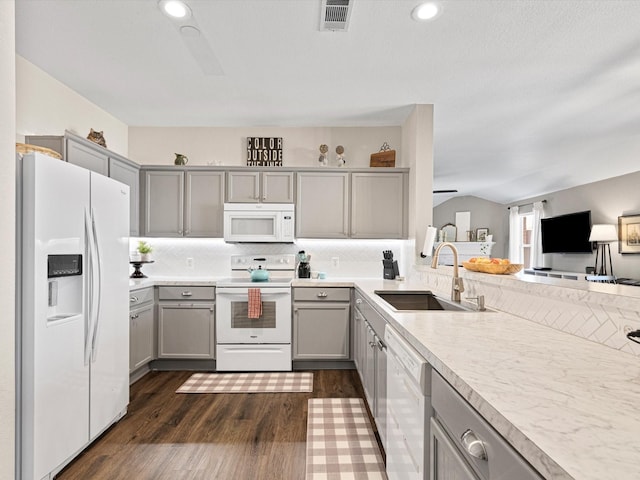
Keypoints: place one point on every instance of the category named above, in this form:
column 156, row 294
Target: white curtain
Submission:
column 537, row 259
column 515, row 234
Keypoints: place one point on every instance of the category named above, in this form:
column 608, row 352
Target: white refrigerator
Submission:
column 74, row 301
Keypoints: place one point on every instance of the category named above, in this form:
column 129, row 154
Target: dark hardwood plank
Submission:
column 173, row 436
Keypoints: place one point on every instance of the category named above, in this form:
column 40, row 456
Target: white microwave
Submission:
column 259, row 222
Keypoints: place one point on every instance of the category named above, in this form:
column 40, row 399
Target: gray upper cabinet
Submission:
column 163, row 203
column 179, row 203
column 87, row 156
column 125, row 172
column 84, row 153
column 256, row 187
column 277, row 187
column 323, row 205
column 204, row 204
column 378, row 205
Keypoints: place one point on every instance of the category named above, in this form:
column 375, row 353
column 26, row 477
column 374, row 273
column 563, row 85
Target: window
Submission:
column 526, row 234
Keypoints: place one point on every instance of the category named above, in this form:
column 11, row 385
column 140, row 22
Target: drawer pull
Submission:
column 133, row 299
column 323, row 295
column 133, row 317
column 187, row 294
column 358, row 301
column 473, row 445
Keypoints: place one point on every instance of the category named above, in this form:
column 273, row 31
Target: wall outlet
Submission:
column 189, row 262
column 335, row 261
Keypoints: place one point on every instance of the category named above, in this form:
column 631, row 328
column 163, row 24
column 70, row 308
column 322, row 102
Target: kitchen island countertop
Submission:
column 570, row 406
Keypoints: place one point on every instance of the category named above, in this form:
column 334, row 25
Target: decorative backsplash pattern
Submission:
column 600, row 317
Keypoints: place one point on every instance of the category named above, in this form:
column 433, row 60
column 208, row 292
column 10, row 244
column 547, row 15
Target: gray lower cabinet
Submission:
column 186, row 322
column 142, row 328
column 464, row 446
column 124, row 171
column 179, row 203
column 321, row 323
column 370, row 355
column 323, row 205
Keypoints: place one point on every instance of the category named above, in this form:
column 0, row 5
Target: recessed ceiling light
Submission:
column 425, row 11
column 175, row 9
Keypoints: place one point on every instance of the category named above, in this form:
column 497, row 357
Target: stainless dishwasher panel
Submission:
column 488, row 454
column 408, row 410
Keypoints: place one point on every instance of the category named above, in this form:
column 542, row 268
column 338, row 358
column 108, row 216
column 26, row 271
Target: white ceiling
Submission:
column 531, row 96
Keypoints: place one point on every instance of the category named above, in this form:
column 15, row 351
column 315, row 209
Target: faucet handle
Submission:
column 480, row 300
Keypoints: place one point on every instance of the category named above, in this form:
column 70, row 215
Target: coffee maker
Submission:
column 304, row 269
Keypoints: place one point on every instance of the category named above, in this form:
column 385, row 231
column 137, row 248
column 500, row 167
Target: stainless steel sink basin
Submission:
column 417, row 300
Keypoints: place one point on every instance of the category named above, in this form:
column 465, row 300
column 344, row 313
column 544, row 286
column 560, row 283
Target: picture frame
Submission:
column 629, row 234
column 481, row 234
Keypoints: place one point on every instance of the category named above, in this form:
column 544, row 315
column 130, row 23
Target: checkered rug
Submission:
column 340, row 441
column 270, row 382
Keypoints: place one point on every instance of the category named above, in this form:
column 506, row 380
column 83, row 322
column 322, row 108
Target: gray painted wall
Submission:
column 607, row 199
column 484, row 213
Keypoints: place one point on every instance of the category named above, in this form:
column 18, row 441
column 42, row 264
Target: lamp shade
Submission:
column 603, row 233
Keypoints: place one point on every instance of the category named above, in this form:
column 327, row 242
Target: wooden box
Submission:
column 383, row 159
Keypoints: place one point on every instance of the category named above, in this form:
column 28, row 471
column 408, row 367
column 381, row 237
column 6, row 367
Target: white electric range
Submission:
column 255, row 344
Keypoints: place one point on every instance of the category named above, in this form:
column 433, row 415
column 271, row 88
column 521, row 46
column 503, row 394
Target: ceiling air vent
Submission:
column 335, row 15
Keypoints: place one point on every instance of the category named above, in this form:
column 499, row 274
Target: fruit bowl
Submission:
column 496, row 269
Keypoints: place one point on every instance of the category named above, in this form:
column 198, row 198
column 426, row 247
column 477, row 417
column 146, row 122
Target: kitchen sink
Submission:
column 418, row 300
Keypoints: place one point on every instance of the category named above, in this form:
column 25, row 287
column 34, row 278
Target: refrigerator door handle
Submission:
column 97, row 272
column 90, row 288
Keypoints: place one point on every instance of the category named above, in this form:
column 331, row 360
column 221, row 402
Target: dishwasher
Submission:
column 408, row 410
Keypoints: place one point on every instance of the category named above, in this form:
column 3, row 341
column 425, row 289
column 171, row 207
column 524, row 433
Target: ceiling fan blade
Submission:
column 200, row 49
column 445, row 191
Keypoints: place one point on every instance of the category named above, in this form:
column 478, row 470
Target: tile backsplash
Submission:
column 210, row 257
column 596, row 316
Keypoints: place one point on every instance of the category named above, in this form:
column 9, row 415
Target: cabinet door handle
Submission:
column 323, row 295
column 133, row 299
column 473, row 445
column 358, row 301
column 133, row 317
column 187, row 294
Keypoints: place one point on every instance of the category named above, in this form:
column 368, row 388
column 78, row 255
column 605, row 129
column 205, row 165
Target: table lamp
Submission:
column 603, row 235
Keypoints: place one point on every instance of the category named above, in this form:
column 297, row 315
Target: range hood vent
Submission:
column 335, row 15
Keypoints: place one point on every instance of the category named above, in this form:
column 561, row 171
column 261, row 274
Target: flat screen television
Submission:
column 567, row 233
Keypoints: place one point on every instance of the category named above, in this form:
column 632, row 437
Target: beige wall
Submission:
column 47, row 107
column 7, row 239
column 227, row 145
column 417, row 143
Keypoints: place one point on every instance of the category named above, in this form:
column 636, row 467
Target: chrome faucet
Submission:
column 457, row 287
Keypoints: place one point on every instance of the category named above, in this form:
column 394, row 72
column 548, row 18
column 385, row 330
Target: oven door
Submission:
column 233, row 324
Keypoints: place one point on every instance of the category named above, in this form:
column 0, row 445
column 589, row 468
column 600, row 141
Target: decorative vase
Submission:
column 145, row 257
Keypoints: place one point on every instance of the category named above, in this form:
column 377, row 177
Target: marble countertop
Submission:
column 570, row 406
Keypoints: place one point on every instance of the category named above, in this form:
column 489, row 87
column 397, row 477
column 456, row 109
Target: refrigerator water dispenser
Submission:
column 64, row 274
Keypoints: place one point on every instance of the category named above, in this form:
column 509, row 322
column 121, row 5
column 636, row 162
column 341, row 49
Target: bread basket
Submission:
column 493, row 268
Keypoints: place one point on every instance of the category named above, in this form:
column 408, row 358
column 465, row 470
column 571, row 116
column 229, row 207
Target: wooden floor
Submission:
column 208, row 436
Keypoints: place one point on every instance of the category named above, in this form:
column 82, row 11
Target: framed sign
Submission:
column 629, row 234
column 264, row 151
